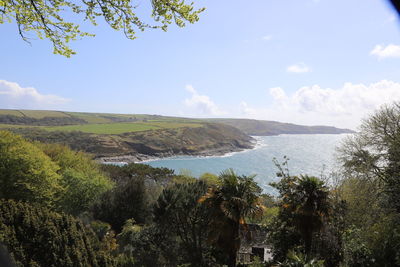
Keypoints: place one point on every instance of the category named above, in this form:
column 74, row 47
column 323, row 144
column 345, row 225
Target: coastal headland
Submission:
column 141, row 137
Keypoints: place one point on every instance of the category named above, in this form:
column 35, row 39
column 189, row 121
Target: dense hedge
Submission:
column 46, row 121
column 36, row 236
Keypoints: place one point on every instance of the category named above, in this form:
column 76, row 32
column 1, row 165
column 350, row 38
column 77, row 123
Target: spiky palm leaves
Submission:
column 230, row 203
column 308, row 203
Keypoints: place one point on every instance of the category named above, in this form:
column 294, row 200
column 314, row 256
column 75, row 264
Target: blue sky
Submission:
column 304, row 61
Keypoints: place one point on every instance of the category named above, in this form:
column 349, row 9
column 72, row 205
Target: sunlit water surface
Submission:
column 308, row 154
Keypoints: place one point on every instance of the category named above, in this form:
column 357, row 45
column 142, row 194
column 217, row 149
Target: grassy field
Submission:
column 38, row 114
column 11, row 112
column 8, row 126
column 119, row 128
column 100, row 123
column 90, row 118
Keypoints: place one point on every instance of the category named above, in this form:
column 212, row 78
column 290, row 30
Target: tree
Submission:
column 137, row 188
column 374, row 152
column 81, row 176
column 304, row 209
column 26, row 173
column 125, row 201
column 48, row 18
column 230, row 202
column 310, row 207
column 371, row 187
column 186, row 221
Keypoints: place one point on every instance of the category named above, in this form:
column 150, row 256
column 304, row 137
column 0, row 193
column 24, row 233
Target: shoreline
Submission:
column 142, row 158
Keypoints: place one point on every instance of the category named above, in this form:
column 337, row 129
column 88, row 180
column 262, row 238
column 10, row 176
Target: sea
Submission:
column 311, row 154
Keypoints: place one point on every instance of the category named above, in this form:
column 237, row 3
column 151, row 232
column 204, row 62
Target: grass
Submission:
column 38, row 114
column 104, row 128
column 169, row 125
column 11, row 112
column 90, row 118
column 9, row 126
column 120, row 127
column 102, row 123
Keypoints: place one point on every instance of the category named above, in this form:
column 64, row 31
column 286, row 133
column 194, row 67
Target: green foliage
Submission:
column 80, row 176
column 26, row 173
column 125, row 201
column 144, row 247
column 356, row 251
column 230, row 203
column 374, row 153
column 48, row 19
column 137, row 188
column 304, row 205
column 53, row 175
column 256, row 263
column 185, row 176
column 19, row 120
column 178, row 210
column 36, row 236
column 297, row 259
column 210, row 179
column 304, row 218
column 372, row 237
column 371, row 188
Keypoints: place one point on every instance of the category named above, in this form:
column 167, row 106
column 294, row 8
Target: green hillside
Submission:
column 97, row 123
column 110, row 135
column 264, row 128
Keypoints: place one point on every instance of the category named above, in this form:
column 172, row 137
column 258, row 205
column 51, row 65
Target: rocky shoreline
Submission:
column 138, row 157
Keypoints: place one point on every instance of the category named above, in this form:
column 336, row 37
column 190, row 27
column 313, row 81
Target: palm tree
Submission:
column 230, row 202
column 311, row 206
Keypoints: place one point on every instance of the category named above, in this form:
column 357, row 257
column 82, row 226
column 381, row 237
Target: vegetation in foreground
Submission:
column 59, row 208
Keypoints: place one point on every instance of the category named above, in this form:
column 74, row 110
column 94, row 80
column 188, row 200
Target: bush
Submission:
column 36, row 236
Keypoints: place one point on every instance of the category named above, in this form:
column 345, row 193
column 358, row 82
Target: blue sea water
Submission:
column 308, row 154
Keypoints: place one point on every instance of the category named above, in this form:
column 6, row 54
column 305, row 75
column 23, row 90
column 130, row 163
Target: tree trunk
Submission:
column 232, row 259
column 308, row 242
column 235, row 245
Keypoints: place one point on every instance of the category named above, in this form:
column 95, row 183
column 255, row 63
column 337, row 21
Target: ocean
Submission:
column 308, row 154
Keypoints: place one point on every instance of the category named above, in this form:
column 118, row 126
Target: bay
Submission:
column 308, row 154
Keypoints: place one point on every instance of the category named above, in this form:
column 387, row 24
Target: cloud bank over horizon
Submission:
column 14, row 96
column 314, row 105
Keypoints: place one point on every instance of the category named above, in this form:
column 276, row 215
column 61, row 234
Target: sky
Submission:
column 311, row 62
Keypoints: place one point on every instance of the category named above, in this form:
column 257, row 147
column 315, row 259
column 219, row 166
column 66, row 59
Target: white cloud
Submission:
column 267, row 37
column 202, row 104
column 246, row 110
column 13, row 96
column 314, row 105
column 298, row 68
column 390, row 51
column 278, row 93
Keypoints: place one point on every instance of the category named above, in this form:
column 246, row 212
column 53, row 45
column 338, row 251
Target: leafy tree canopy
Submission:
column 81, row 176
column 26, row 173
column 185, row 221
column 374, row 153
column 48, row 19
